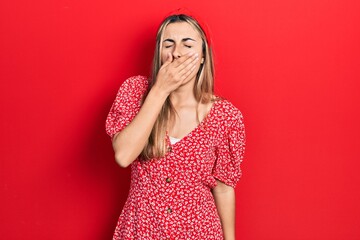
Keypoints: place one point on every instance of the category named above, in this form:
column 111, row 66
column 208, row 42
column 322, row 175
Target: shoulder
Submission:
column 131, row 91
column 133, row 88
column 126, row 104
column 135, row 83
column 227, row 111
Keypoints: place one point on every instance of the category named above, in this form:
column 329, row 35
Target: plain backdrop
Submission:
column 292, row 67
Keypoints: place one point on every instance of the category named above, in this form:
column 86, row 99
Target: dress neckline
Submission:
column 174, row 140
column 200, row 125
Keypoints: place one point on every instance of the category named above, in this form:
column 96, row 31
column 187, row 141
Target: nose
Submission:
column 176, row 53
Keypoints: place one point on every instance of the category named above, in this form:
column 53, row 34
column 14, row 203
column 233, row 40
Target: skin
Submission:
column 179, row 40
column 181, row 56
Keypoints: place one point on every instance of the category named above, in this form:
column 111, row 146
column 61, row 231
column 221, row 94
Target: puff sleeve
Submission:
column 126, row 104
column 230, row 152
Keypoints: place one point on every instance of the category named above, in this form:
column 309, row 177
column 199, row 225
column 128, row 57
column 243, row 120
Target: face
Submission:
column 179, row 39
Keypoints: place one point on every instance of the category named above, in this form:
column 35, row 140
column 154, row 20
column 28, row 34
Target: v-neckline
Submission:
column 208, row 115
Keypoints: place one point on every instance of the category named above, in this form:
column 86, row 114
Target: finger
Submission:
column 188, row 65
column 169, row 59
column 190, row 61
column 186, row 77
column 190, row 73
column 179, row 61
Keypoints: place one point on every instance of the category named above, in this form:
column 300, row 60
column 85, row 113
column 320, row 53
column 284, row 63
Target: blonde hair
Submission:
column 156, row 146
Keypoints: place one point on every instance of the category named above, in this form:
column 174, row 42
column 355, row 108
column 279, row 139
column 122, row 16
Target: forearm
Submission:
column 225, row 203
column 129, row 142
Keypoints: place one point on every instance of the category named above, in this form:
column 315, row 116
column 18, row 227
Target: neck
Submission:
column 183, row 95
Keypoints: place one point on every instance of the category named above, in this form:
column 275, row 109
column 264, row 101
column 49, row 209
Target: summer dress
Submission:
column 170, row 197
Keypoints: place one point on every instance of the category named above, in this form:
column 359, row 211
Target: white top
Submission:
column 174, row 140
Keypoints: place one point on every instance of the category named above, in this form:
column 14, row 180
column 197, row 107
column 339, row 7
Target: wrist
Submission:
column 158, row 92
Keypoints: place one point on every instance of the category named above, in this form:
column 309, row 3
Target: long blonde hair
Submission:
column 156, row 146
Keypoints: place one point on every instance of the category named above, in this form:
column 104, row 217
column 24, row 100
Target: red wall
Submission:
column 292, row 67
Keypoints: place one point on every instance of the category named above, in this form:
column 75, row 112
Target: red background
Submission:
column 292, row 67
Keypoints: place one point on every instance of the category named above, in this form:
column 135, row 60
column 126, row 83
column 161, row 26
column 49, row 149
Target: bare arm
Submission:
column 129, row 142
column 224, row 196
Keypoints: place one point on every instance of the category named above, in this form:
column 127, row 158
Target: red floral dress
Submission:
column 170, row 198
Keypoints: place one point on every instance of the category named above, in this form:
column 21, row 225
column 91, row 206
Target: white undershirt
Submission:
column 174, row 140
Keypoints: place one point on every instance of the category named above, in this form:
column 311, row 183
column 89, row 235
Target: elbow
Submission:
column 121, row 160
column 123, row 155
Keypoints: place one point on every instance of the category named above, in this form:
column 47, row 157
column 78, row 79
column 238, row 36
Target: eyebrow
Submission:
column 183, row 40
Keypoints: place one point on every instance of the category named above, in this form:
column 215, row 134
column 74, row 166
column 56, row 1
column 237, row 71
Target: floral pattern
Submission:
column 170, row 197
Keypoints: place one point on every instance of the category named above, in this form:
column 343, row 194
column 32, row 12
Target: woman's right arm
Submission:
column 129, row 142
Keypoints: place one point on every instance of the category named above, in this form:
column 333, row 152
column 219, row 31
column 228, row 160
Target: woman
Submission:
column 183, row 143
